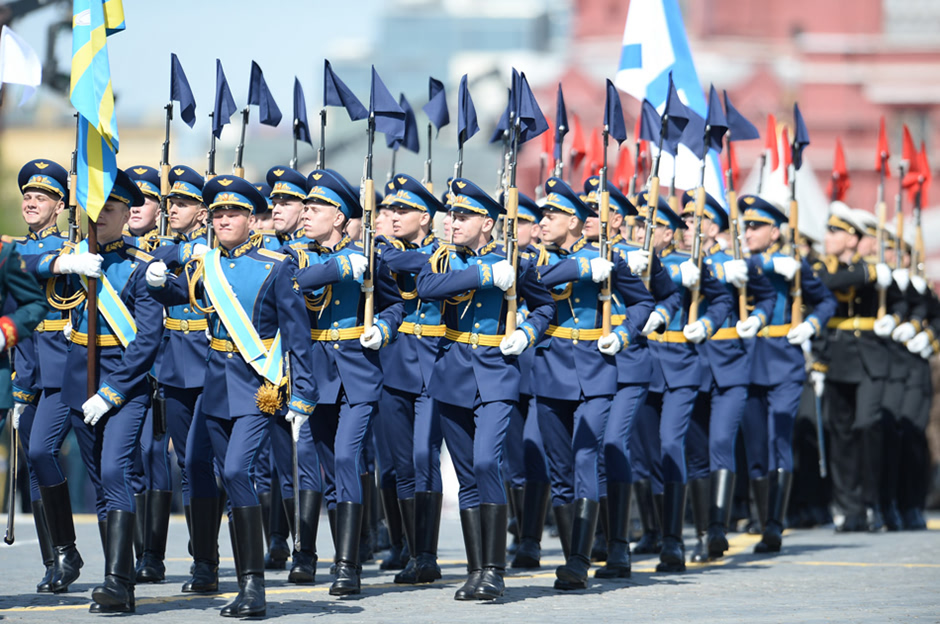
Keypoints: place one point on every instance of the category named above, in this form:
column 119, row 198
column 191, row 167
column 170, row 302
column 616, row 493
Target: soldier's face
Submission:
column 838, row 241
column 354, row 229
column 556, row 225
column 111, row 221
column 263, row 221
column 468, row 229
column 592, row 228
column 320, row 220
column 408, row 224
column 447, row 225
column 232, row 226
column 144, row 218
column 40, row 209
column 526, row 232
column 867, row 245
column 383, row 222
column 759, row 236
column 288, row 215
column 185, row 214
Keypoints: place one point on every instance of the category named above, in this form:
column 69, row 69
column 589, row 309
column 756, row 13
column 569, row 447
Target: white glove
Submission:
column 67, row 331
column 296, row 420
column 818, row 379
column 638, row 260
column 749, row 327
column 503, row 275
column 695, row 332
column 156, row 274
column 919, row 284
column 359, row 264
column 600, row 269
column 3, row 341
column 690, row 274
column 903, row 332
column 199, row 250
column 736, row 273
column 926, row 352
column 800, row 334
column 609, row 344
column 94, row 408
column 902, row 277
column 514, row 344
column 918, row 343
column 785, row 267
column 520, row 318
column 87, row 264
column 18, row 409
column 883, row 275
column 372, row 339
column 885, row 325
column 654, row 322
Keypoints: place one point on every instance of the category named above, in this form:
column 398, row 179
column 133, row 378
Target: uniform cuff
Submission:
column 486, row 275
column 386, row 331
column 665, row 314
column 112, row 396
column 530, row 332
column 624, row 336
column 817, row 326
column 301, row 405
column 584, row 268
column 22, row 395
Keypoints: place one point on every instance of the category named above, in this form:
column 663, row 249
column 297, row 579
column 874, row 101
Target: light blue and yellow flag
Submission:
column 92, row 96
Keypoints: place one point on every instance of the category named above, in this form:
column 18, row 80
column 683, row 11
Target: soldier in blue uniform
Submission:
column 180, row 370
column 658, row 447
column 108, row 424
column 142, row 223
column 777, row 372
column 477, row 374
column 407, row 422
column 40, row 358
column 345, row 356
column 716, row 418
column 634, row 365
column 573, row 409
column 252, row 354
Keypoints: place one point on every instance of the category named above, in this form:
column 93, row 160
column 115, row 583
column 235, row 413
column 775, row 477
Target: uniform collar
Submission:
column 199, row 231
column 153, row 233
column 43, row 233
column 670, row 248
column 114, row 246
column 242, row 249
column 715, row 248
column 482, row 251
column 427, row 240
column 617, row 239
column 774, row 247
column 342, row 244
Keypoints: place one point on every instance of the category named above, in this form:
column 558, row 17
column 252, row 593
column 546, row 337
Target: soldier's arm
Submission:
column 667, row 294
column 564, row 271
column 404, row 261
column 388, row 303
column 538, row 300
column 720, row 301
column 761, row 290
column 31, row 301
column 439, row 286
column 175, row 291
column 637, row 299
column 141, row 352
column 294, row 325
column 855, row 275
column 819, row 296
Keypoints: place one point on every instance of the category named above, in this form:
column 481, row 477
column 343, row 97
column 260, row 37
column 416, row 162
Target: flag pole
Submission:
column 882, row 221
column 91, row 306
column 428, row 183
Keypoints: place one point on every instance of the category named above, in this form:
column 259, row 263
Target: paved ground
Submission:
column 820, row 577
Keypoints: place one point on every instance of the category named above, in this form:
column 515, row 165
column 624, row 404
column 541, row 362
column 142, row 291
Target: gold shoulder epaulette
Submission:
column 273, row 255
column 143, row 256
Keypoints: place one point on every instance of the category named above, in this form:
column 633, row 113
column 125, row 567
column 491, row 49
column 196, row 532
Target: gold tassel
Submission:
column 269, row 398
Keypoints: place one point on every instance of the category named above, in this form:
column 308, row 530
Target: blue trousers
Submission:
column 235, row 442
column 572, row 433
column 410, row 426
column 201, row 464
column 263, row 473
column 51, row 424
column 713, row 430
column 618, row 432
column 768, row 427
column 181, row 404
column 536, row 463
column 282, row 453
column 109, row 449
column 339, row 431
column 24, row 434
column 474, row 438
column 155, row 457
column 385, row 461
column 514, row 449
column 657, row 451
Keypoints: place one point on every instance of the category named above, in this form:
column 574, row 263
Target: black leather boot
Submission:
column 574, row 573
column 779, row 496
column 618, row 542
column 279, row 526
column 535, row 504
column 759, row 494
column 493, row 520
column 249, row 544
column 264, row 499
column 45, row 547
column 516, row 498
column 205, row 540
column 304, row 567
column 156, row 525
column 68, row 562
column 721, row 490
column 408, row 575
column 651, row 542
column 116, row 594
column 427, row 532
column 672, row 556
column 470, row 525
column 599, row 548
column 231, row 609
column 140, row 527
column 188, row 514
column 699, row 493
column 398, row 555
column 564, row 520
column 348, row 532
column 365, row 530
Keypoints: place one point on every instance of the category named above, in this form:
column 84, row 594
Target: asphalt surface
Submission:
column 819, row 577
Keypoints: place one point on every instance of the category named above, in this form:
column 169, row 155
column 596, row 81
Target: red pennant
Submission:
column 883, row 151
column 787, row 155
column 548, row 147
column 733, row 165
column 624, row 170
column 576, row 151
column 594, row 159
column 925, row 175
column 839, row 183
column 909, row 154
column 771, row 142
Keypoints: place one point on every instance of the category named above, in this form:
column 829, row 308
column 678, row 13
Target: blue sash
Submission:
column 111, row 307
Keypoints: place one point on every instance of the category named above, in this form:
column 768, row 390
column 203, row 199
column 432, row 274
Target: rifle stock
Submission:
column 512, row 254
column 796, row 290
column 697, row 251
column 652, row 202
column 736, row 247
